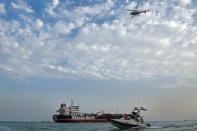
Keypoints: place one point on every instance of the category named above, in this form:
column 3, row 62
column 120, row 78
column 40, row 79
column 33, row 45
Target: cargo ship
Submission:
column 71, row 114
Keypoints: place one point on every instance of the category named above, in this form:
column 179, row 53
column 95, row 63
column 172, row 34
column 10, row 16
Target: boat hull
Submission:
column 125, row 124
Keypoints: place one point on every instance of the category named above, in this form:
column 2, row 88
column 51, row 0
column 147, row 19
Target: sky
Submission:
column 91, row 51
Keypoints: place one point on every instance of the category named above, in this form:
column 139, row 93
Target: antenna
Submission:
column 71, row 102
column 138, row 105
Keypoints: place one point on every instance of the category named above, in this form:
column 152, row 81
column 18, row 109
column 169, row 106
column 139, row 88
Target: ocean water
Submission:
column 50, row 126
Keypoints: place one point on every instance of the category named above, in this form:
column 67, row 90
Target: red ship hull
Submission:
column 98, row 119
column 82, row 121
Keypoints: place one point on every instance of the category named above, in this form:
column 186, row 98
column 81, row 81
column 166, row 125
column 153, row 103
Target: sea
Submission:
column 51, row 126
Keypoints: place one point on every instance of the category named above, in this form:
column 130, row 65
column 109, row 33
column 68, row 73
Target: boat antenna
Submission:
column 138, row 105
column 71, row 102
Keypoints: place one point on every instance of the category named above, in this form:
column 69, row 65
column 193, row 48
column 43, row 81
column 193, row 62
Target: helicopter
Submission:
column 136, row 12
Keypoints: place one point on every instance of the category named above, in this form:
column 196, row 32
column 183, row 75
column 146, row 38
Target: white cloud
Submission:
column 55, row 3
column 62, row 27
column 185, row 2
column 82, row 14
column 2, row 8
column 22, row 5
column 39, row 23
column 51, row 7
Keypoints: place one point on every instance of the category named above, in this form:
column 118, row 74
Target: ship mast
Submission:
column 74, row 110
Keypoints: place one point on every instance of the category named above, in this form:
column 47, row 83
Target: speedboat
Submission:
column 133, row 120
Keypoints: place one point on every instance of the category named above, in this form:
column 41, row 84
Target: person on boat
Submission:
column 135, row 114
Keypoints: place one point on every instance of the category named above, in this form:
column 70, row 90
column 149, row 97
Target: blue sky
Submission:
column 91, row 51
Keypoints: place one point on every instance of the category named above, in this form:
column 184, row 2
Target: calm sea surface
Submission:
column 50, row 126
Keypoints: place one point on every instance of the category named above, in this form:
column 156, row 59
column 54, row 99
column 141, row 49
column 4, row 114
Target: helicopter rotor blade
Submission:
column 129, row 10
column 137, row 4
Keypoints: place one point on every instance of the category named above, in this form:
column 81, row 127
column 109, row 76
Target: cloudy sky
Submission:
column 91, row 51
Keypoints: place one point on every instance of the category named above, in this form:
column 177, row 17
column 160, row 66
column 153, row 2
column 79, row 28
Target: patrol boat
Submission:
column 132, row 120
